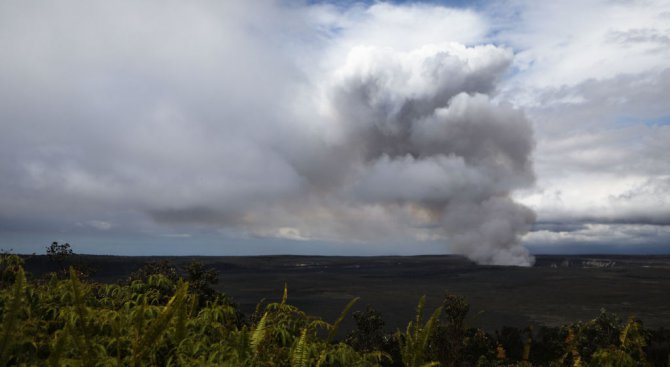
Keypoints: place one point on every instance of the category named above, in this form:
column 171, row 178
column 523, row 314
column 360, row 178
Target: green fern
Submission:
column 300, row 354
column 284, row 297
column 343, row 315
column 259, row 333
column 79, row 327
column 414, row 343
column 180, row 327
column 57, row 350
column 11, row 320
column 158, row 326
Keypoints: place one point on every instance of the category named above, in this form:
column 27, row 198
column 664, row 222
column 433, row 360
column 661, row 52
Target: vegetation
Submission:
column 59, row 253
column 159, row 318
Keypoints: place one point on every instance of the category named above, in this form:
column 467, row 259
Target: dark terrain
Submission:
column 557, row 290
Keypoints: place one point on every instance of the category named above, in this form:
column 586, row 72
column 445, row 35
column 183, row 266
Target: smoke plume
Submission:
column 419, row 130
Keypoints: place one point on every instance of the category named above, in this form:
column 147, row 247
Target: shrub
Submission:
column 201, row 281
column 162, row 267
column 368, row 334
column 9, row 267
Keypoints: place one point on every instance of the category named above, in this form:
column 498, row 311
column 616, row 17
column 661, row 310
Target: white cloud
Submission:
column 568, row 42
column 607, row 236
column 338, row 123
column 100, row 225
column 593, row 78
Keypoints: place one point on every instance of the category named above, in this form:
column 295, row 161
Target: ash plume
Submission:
column 420, row 130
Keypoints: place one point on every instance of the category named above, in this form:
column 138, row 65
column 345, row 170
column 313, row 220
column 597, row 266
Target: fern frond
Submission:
column 259, row 333
column 158, row 326
column 300, row 354
column 624, row 333
column 284, row 298
column 11, row 319
column 414, row 343
column 338, row 322
column 57, row 350
column 428, row 328
column 180, row 332
column 419, row 310
column 81, row 332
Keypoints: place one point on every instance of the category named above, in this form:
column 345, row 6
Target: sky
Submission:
column 491, row 129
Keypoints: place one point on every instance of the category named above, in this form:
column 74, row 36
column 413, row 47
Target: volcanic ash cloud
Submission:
column 420, row 129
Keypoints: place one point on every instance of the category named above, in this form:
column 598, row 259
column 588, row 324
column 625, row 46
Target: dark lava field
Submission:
column 558, row 289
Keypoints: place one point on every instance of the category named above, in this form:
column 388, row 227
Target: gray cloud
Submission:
column 557, row 227
column 196, row 215
column 649, row 36
column 627, row 238
column 601, row 154
column 358, row 124
column 438, row 143
column 123, row 108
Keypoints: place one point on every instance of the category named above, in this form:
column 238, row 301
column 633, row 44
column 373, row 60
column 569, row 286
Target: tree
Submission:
column 369, row 332
column 59, row 253
column 448, row 342
column 162, row 267
column 201, row 280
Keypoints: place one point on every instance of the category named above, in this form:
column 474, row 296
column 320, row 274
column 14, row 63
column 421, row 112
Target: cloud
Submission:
column 144, row 117
column 364, row 124
column 557, row 227
column 602, row 157
column 196, row 117
column 631, row 238
column 636, row 36
column 99, row 225
column 595, row 88
column 570, row 42
column 420, row 130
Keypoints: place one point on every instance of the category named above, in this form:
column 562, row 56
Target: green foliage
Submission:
column 157, row 320
column 59, row 253
column 201, row 281
column 10, row 265
column 336, row 326
column 628, row 353
column 10, row 321
column 67, row 322
column 547, row 345
column 449, row 343
column 415, row 342
column 368, row 334
column 162, row 267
